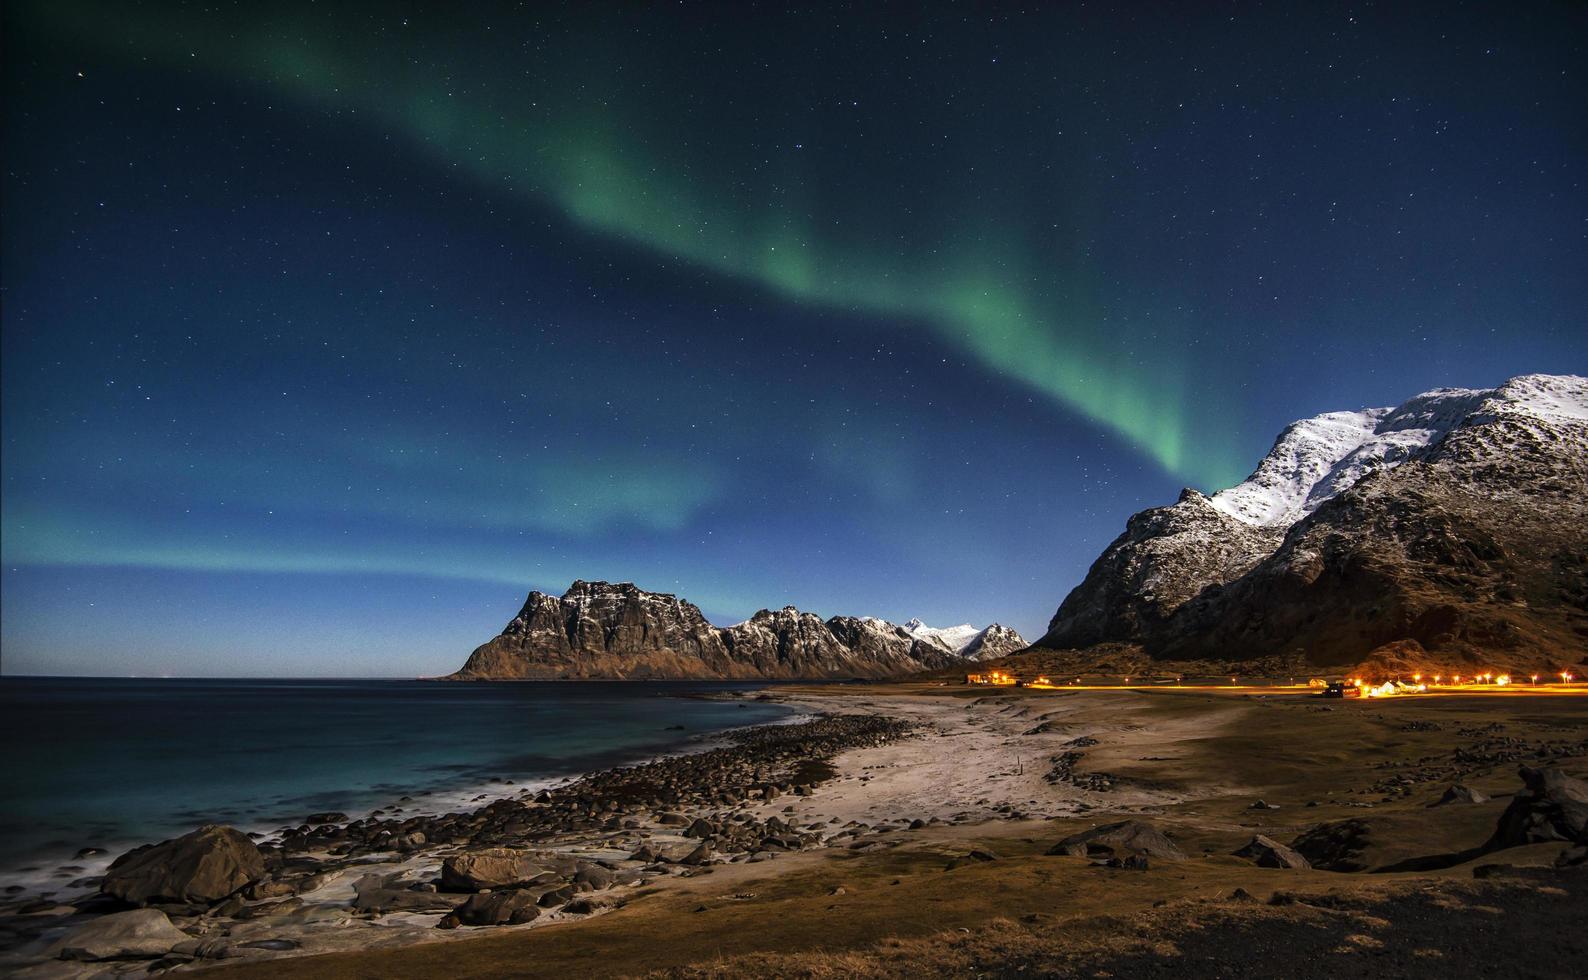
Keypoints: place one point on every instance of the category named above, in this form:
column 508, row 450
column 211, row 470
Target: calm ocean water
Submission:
column 115, row 762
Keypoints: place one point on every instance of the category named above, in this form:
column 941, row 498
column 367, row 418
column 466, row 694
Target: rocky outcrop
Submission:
column 496, row 867
column 1551, row 806
column 1270, row 853
column 1120, row 840
column 141, row 934
column 597, row 629
column 200, row 868
column 1452, row 529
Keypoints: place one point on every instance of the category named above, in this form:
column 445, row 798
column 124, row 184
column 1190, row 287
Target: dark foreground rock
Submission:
column 1335, row 846
column 203, row 867
column 499, row 908
column 1552, row 806
column 1122, row 841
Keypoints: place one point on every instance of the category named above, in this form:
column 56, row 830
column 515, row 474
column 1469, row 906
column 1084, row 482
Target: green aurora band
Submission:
column 621, row 169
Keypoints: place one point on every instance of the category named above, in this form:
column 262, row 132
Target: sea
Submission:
column 112, row 763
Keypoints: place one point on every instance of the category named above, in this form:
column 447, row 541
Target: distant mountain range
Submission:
column 605, row 630
column 1450, row 529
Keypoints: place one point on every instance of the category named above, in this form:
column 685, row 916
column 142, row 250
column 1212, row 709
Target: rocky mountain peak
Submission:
column 1455, row 522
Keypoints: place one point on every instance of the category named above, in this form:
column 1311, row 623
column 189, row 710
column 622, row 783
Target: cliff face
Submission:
column 602, row 630
column 597, row 629
column 1452, row 529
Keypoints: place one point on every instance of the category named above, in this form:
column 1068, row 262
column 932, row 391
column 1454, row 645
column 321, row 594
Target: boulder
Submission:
column 1269, row 853
column 1119, row 840
column 701, row 828
column 380, row 894
column 699, row 855
column 201, row 868
column 1458, row 793
column 496, row 867
column 1552, row 806
column 593, row 877
column 141, row 934
column 498, row 908
column 1335, row 846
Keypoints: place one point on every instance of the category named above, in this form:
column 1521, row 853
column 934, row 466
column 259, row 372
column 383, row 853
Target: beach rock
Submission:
column 700, row 855
column 1458, row 793
column 381, row 894
column 555, row 897
column 700, row 828
column 1335, row 846
column 1123, row 838
column 1269, row 853
column 498, row 908
column 587, row 904
column 144, row 934
column 496, row 867
column 1552, row 806
column 592, row 877
column 270, row 888
column 325, row 818
column 275, row 945
column 202, row 867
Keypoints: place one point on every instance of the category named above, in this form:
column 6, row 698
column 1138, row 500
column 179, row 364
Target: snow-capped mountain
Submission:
column 966, row 640
column 1456, row 521
column 1315, row 459
column 599, row 629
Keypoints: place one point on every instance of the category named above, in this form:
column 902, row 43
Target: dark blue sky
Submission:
column 329, row 332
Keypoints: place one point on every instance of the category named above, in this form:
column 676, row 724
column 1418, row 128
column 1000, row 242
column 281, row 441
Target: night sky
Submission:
column 329, row 332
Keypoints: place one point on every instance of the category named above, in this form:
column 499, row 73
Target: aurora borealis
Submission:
column 329, row 330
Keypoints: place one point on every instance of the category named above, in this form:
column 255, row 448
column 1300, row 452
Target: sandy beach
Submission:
column 948, row 828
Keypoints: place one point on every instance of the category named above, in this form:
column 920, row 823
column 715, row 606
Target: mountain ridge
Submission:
column 618, row 630
column 1450, row 526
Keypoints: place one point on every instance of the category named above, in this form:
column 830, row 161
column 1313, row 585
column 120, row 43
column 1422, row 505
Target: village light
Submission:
column 1535, row 678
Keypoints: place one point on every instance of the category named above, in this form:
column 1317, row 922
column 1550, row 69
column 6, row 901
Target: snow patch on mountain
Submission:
column 954, row 638
column 1316, row 459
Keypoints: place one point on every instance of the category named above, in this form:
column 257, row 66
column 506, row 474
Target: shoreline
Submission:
column 38, row 871
column 976, row 792
column 335, row 887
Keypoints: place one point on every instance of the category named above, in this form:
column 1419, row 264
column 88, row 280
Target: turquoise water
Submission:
column 114, row 762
